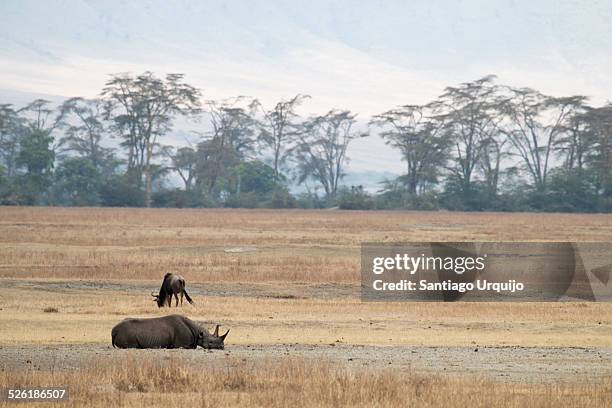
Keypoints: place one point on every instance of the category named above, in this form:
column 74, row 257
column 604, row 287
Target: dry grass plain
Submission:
column 138, row 382
column 278, row 277
column 292, row 246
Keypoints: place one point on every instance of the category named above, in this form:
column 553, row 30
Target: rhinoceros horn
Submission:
column 224, row 336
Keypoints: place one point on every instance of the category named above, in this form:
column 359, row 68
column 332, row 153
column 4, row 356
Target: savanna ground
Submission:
column 287, row 285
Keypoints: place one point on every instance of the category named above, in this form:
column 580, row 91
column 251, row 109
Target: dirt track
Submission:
column 259, row 290
column 514, row 364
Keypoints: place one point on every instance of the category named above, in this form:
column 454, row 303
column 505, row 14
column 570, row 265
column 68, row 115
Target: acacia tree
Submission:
column 599, row 125
column 494, row 149
column 278, row 129
column 183, row 160
column 37, row 146
column 231, row 140
column 420, row 135
column 142, row 109
column 11, row 129
column 470, row 112
column 39, row 115
column 84, row 129
column 575, row 143
column 321, row 149
column 41, row 118
column 535, row 123
column 36, row 158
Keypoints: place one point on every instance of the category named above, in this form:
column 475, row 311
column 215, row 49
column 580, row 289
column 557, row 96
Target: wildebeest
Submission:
column 172, row 285
column 174, row 331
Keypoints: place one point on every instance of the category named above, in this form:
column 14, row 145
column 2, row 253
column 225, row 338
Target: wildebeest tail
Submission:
column 187, row 297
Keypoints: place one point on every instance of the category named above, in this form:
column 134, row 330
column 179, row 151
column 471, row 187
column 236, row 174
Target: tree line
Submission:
column 478, row 146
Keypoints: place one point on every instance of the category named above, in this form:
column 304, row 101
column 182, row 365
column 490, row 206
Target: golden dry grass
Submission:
column 135, row 247
column 87, row 316
column 316, row 247
column 290, row 245
column 141, row 382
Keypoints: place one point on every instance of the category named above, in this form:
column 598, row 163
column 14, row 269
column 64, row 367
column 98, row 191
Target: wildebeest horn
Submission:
column 216, row 334
column 224, row 336
column 154, row 295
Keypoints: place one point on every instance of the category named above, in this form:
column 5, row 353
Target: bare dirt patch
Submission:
column 514, row 364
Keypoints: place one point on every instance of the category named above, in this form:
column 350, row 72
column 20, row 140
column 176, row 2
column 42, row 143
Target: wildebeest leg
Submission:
column 176, row 297
column 181, row 298
column 169, row 299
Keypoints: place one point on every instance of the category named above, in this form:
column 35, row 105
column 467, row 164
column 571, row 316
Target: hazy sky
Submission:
column 367, row 56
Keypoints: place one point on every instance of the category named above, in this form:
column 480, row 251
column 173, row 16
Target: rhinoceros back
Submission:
column 173, row 331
